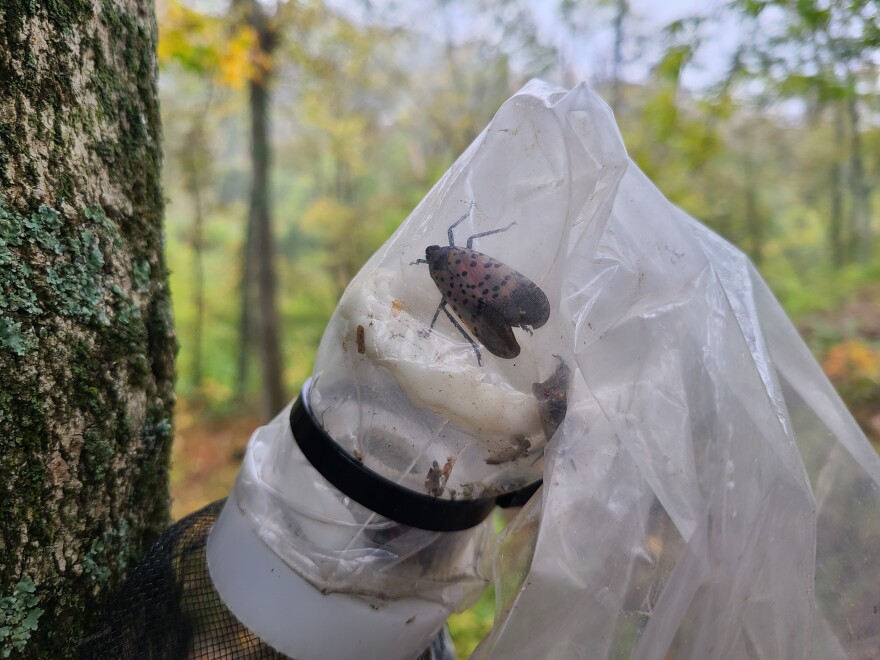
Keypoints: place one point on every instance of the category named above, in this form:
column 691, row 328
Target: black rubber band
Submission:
column 519, row 496
column 382, row 495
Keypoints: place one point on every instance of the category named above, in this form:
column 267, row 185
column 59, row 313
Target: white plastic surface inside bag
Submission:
column 708, row 495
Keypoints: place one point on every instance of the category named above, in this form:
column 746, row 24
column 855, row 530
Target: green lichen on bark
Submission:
column 86, row 340
column 48, row 268
column 19, row 617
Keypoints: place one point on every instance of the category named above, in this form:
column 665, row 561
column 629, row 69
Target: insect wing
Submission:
column 517, row 299
column 525, row 303
column 470, row 284
column 490, row 329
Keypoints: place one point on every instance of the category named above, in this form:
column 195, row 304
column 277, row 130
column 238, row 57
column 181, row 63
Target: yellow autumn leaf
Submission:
column 207, row 45
column 236, row 66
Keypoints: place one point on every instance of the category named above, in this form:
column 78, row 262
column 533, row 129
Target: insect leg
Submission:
column 437, row 313
column 462, row 331
column 456, row 224
column 442, row 306
column 470, row 241
column 418, row 261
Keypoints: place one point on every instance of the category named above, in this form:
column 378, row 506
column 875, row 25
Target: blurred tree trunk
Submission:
column 835, row 222
column 86, row 341
column 259, row 217
column 198, row 244
column 621, row 10
column 754, row 221
column 194, row 158
column 246, row 319
column 749, row 136
column 860, row 208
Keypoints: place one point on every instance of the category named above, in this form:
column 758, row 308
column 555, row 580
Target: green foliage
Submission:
column 468, row 628
column 19, row 615
column 673, row 61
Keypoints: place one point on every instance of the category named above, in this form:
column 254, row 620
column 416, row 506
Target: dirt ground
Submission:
column 206, row 455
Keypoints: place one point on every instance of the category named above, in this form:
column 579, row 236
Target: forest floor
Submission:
column 207, row 452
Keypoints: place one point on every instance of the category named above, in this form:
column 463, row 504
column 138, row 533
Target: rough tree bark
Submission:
column 86, row 341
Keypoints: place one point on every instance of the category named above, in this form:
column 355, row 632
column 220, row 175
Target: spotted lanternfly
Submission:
column 552, row 397
column 489, row 297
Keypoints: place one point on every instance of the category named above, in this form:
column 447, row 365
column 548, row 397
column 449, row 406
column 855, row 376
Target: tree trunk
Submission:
column 835, row 220
column 193, row 158
column 246, row 324
column 260, row 220
column 86, row 342
column 861, row 211
column 754, row 221
column 621, row 10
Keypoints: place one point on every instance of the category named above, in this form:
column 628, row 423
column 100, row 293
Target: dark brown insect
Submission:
column 552, row 396
column 362, row 348
column 488, row 296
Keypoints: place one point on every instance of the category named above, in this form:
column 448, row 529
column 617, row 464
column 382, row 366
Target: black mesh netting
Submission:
column 167, row 608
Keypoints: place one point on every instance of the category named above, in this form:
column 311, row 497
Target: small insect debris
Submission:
column 437, row 477
column 432, row 480
column 489, row 297
column 361, row 344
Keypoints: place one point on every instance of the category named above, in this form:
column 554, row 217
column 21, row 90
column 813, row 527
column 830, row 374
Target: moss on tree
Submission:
column 86, row 341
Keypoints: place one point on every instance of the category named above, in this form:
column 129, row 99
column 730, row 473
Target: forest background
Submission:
column 299, row 135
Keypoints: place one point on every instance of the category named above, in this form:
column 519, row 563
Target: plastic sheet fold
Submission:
column 708, row 495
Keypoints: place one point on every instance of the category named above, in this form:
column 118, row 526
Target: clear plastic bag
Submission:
column 708, row 495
